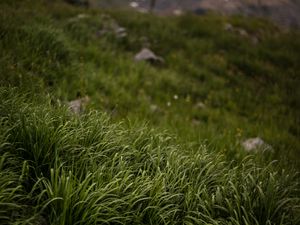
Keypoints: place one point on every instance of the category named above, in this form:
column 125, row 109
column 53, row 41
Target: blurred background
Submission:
column 285, row 12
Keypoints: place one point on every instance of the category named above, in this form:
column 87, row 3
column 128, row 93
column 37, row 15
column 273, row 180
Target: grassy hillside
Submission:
column 215, row 89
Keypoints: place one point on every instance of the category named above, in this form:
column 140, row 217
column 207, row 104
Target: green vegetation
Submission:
column 186, row 165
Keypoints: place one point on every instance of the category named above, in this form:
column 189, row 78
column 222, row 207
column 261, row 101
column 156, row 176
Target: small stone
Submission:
column 153, row 108
column 120, row 32
column 200, row 105
column 228, row 27
column 134, row 4
column 82, row 16
column 147, row 55
column 177, row 12
column 77, row 106
column 242, row 32
column 255, row 144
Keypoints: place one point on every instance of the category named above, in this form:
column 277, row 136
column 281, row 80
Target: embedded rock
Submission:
column 77, row 106
column 255, row 144
column 147, row 55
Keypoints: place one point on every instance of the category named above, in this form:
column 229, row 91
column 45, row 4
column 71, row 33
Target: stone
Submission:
column 177, row 12
column 82, row 16
column 120, row 32
column 147, row 55
column 242, row 32
column 228, row 27
column 154, row 108
column 134, row 4
column 255, row 144
column 79, row 17
column 200, row 105
column 111, row 27
column 77, row 106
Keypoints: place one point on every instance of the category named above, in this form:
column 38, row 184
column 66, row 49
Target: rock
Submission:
column 200, row 105
column 228, row 27
column 147, row 55
column 242, row 32
column 177, row 12
column 77, row 106
column 134, row 4
column 79, row 17
column 255, row 144
column 154, row 108
column 82, row 16
column 112, row 27
column 120, row 32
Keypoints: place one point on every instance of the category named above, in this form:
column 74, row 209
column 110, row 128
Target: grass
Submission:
column 88, row 170
column 157, row 144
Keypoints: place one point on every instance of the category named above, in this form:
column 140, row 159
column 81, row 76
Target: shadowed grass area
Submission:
column 216, row 88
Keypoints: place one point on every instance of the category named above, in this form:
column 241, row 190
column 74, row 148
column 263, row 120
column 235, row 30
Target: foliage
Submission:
column 105, row 166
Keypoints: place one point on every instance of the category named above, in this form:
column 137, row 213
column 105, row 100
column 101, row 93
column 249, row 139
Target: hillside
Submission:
column 91, row 135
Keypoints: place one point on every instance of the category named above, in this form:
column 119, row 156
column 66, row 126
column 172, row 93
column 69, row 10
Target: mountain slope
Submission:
column 223, row 80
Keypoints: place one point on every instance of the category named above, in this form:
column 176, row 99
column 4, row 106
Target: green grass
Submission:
column 145, row 151
column 88, row 170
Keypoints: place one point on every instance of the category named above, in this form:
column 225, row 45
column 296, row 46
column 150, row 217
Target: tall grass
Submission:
column 88, row 170
column 215, row 89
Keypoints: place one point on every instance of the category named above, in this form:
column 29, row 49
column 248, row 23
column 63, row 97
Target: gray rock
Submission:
column 147, row 55
column 200, row 105
column 111, row 27
column 228, row 27
column 242, row 32
column 77, row 106
column 120, row 32
column 154, row 108
column 255, row 144
column 78, row 18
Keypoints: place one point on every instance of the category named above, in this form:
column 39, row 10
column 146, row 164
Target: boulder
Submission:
column 147, row 55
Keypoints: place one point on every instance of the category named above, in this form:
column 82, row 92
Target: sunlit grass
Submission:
column 88, row 170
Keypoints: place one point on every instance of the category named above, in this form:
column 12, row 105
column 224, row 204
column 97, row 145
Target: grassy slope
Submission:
column 249, row 90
